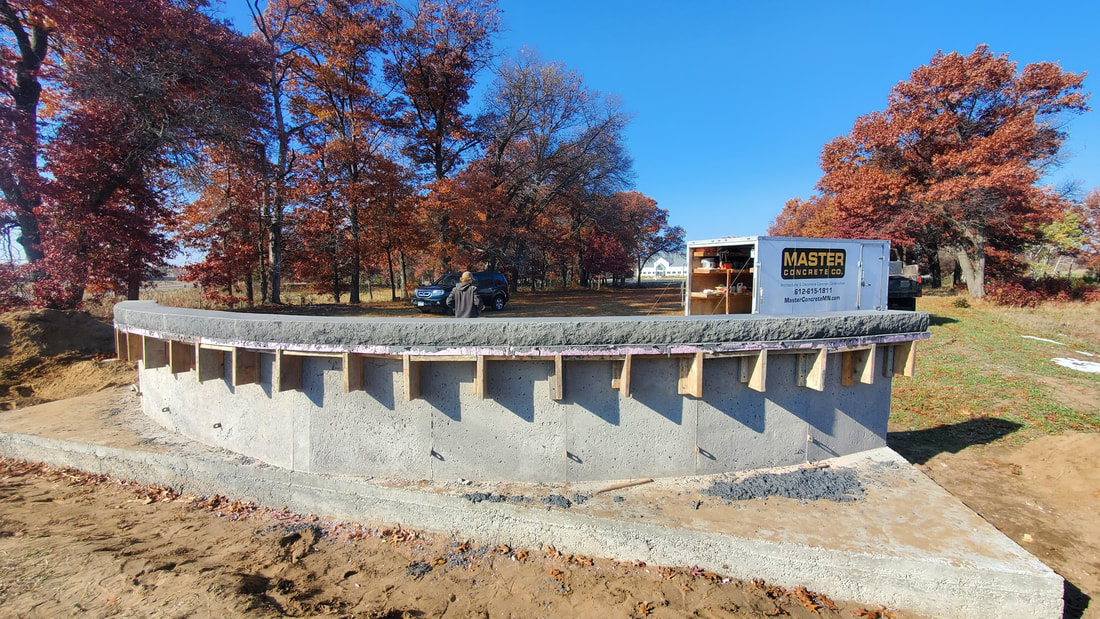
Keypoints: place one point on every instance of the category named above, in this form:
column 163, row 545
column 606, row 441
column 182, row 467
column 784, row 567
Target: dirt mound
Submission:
column 52, row 354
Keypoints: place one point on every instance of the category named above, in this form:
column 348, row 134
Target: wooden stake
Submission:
column 353, row 372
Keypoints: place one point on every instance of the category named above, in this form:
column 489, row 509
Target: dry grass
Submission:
column 1073, row 321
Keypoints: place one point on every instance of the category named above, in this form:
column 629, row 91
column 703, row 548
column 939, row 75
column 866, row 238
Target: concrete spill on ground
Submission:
column 553, row 500
column 803, row 484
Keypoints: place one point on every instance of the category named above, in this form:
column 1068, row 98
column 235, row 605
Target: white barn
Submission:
column 665, row 265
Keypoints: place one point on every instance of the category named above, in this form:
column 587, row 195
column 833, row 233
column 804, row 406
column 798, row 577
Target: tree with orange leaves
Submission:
column 437, row 48
column 814, row 218
column 339, row 43
column 224, row 225
column 644, row 228
column 958, row 152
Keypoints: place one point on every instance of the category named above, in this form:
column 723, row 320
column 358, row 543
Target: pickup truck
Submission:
column 904, row 286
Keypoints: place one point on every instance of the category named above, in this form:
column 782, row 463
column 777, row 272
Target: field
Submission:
column 989, row 416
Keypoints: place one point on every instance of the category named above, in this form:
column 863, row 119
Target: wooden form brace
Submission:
column 901, row 359
column 691, row 376
column 620, row 375
column 754, row 370
column 557, row 378
column 122, row 346
column 857, row 364
column 181, row 357
column 353, row 372
column 154, row 352
column 811, row 369
column 481, row 379
column 411, row 371
column 134, row 347
column 287, row 373
column 246, row 367
column 210, row 361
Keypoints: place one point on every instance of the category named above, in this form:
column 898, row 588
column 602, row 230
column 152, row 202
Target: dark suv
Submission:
column 491, row 286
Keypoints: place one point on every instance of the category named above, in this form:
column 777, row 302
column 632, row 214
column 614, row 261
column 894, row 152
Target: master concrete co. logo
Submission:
column 808, row 263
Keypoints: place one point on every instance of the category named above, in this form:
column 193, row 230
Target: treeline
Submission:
column 337, row 143
column 949, row 172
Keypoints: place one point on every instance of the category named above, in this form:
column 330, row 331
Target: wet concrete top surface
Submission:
column 653, row 334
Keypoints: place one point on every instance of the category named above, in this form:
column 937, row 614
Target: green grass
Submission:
column 979, row 381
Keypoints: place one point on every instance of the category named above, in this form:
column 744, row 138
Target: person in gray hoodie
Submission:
column 464, row 299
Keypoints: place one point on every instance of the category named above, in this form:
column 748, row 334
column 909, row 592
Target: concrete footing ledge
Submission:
column 895, row 538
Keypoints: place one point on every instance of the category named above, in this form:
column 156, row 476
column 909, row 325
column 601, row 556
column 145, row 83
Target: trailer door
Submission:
column 874, row 275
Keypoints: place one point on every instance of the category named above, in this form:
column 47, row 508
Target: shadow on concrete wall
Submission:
column 920, row 446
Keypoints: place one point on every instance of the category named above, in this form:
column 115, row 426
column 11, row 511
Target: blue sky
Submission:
column 733, row 101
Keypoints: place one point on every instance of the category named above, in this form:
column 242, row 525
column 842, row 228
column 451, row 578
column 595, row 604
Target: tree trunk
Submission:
column 973, row 271
column 275, row 252
column 261, row 255
column 403, row 273
column 278, row 204
column 335, row 277
column 934, row 272
column 21, row 185
column 393, row 280
column 133, row 285
column 356, row 255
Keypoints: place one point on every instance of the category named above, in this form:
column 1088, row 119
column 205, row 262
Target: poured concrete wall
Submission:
column 605, row 424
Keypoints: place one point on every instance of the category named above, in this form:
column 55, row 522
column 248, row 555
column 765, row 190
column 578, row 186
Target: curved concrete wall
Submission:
column 563, row 399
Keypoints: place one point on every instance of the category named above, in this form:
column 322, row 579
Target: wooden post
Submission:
column 811, row 369
column 353, row 372
column 691, row 375
column 867, row 371
column 557, row 379
column 122, row 348
column 246, row 367
column 411, row 371
column 481, row 380
column 905, row 355
column 624, row 375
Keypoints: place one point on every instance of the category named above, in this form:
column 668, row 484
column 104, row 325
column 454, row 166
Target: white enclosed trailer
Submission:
column 785, row 275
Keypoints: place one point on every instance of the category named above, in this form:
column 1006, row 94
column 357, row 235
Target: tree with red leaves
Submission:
column 958, row 152
column 141, row 86
column 28, row 30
